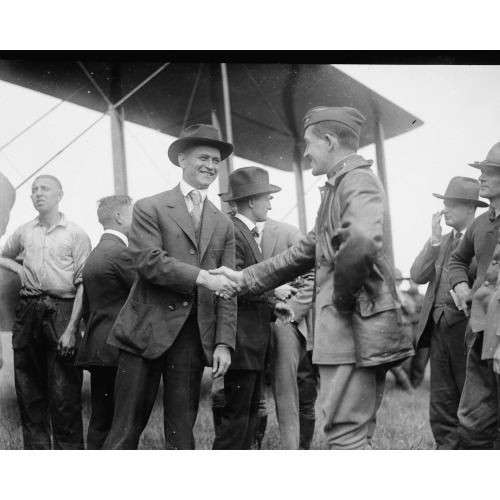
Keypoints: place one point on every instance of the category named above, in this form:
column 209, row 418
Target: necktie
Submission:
column 255, row 233
column 456, row 240
column 196, row 212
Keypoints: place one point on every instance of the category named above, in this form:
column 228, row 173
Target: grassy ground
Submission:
column 402, row 419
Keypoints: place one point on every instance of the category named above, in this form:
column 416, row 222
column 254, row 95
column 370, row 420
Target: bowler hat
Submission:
column 350, row 117
column 492, row 159
column 248, row 181
column 198, row 135
column 463, row 189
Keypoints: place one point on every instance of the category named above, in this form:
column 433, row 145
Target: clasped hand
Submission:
column 234, row 278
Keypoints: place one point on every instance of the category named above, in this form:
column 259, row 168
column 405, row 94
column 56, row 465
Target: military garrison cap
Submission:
column 350, row 117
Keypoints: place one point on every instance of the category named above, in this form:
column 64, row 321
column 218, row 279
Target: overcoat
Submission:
column 350, row 248
column 108, row 275
column 168, row 257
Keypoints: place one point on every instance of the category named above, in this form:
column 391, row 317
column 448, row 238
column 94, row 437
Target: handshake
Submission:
column 225, row 282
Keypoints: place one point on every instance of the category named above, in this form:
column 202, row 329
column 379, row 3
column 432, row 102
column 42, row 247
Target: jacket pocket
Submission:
column 368, row 306
column 135, row 324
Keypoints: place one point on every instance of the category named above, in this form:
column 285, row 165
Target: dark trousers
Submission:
column 417, row 365
column 136, row 387
column 448, row 361
column 479, row 410
column 48, row 389
column 236, row 431
column 102, row 388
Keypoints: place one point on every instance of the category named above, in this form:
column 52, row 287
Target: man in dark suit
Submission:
column 250, row 190
column 108, row 275
column 172, row 323
column 442, row 325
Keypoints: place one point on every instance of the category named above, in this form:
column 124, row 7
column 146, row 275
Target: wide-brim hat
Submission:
column 492, row 158
column 248, row 181
column 463, row 190
column 199, row 135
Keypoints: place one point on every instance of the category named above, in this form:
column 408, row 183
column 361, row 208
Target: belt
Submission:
column 42, row 296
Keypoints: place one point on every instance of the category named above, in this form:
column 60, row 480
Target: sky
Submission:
column 460, row 107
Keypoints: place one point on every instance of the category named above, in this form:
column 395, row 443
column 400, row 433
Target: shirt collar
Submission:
column 246, row 221
column 187, row 188
column 118, row 234
column 62, row 221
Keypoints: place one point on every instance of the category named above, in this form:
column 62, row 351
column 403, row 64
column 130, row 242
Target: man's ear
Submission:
column 118, row 218
column 60, row 195
column 332, row 141
column 180, row 159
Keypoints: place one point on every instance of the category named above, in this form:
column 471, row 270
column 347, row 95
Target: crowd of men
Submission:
column 175, row 285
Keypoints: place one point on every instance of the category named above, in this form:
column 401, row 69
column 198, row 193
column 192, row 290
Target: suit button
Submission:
column 191, row 251
column 185, row 304
column 171, row 307
column 486, row 283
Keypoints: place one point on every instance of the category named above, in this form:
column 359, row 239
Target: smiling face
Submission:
column 200, row 166
column 261, row 204
column 317, row 152
column 45, row 195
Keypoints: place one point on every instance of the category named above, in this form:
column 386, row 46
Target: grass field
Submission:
column 402, row 419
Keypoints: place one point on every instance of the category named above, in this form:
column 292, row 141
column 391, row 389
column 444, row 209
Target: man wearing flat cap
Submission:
column 358, row 330
column 478, row 426
column 172, row 323
column 442, row 325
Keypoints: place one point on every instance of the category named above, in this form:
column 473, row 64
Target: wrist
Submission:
column 201, row 279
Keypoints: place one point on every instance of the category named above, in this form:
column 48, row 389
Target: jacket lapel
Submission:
column 179, row 213
column 249, row 238
column 269, row 239
column 440, row 261
column 209, row 218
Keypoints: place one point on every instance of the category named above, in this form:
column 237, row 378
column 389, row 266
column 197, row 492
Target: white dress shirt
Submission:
column 186, row 189
column 118, row 234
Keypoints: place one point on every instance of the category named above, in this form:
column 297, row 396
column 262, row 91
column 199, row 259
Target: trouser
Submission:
column 242, row 390
column 136, row 387
column 448, row 361
column 48, row 389
column 219, row 400
column 102, row 388
column 349, row 399
column 478, row 413
column 293, row 380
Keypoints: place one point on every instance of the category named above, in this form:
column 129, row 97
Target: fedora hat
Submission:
column 492, row 159
column 248, row 181
column 198, row 135
column 463, row 189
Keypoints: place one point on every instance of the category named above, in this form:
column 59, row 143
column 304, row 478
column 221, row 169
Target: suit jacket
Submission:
column 276, row 238
column 168, row 259
column 107, row 276
column 427, row 268
column 351, row 249
column 254, row 312
column 479, row 241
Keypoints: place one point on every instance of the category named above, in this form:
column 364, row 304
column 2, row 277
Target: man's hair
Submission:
column 348, row 139
column 109, row 205
column 52, row 178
